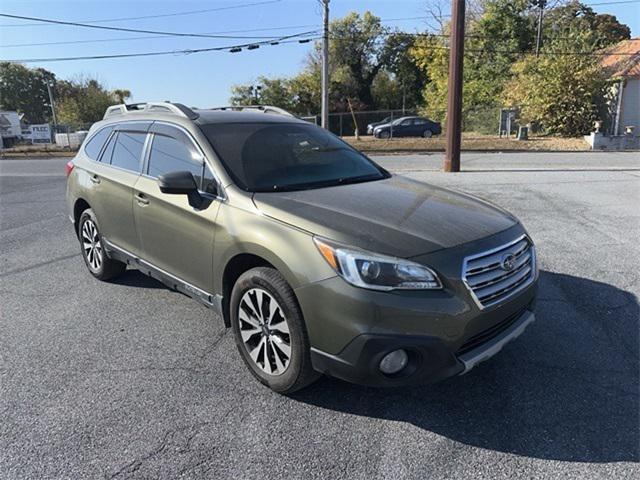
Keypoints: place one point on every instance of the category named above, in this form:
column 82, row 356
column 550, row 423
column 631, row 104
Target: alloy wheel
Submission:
column 264, row 331
column 91, row 244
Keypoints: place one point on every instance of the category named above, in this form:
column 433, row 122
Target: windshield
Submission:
column 264, row 157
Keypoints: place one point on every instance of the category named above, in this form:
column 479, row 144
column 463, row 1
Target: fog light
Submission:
column 394, row 362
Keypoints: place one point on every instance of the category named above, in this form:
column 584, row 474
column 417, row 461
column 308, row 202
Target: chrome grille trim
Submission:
column 488, row 283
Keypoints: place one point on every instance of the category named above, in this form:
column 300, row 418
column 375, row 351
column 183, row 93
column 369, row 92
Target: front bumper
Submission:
column 430, row 359
column 351, row 329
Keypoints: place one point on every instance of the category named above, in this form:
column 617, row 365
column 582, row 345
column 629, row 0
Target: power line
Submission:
column 175, row 14
column 438, row 35
column 230, row 48
column 149, row 37
column 285, row 40
column 122, row 29
column 611, row 3
column 103, row 40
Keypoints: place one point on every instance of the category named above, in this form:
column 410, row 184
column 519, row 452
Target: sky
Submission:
column 202, row 79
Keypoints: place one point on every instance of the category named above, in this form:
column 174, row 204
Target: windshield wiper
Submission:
column 360, row 178
column 327, row 149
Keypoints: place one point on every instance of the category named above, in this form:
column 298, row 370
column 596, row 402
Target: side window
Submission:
column 407, row 122
column 169, row 154
column 420, row 121
column 128, row 150
column 108, row 150
column 94, row 145
column 209, row 184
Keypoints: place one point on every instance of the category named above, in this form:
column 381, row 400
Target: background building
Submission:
column 622, row 63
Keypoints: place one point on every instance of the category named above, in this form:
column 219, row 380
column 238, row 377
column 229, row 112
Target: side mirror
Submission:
column 181, row 183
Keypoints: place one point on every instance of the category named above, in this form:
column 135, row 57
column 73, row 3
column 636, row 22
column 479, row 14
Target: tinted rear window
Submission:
column 262, row 157
column 94, row 145
column 128, row 150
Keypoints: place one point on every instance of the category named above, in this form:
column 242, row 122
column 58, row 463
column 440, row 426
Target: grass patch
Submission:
column 476, row 142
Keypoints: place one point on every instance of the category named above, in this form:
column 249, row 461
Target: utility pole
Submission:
column 325, row 67
column 454, row 100
column 541, row 5
column 53, row 107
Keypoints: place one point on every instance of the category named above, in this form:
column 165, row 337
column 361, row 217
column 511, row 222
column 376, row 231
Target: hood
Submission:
column 396, row 216
column 382, row 125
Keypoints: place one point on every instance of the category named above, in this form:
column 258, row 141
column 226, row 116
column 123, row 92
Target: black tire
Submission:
column 107, row 268
column 384, row 135
column 427, row 134
column 298, row 373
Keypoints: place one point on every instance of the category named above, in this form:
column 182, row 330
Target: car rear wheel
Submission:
column 99, row 264
column 269, row 331
column 427, row 134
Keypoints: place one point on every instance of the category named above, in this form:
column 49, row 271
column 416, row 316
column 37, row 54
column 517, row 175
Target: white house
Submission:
column 622, row 64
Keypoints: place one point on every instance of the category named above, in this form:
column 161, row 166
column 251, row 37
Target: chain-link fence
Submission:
column 343, row 123
column 47, row 136
column 499, row 121
column 69, row 136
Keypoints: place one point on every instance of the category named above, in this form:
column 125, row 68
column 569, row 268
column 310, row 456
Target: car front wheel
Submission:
column 99, row 264
column 384, row 135
column 269, row 331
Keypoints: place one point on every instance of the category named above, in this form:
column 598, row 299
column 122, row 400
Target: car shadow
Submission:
column 135, row 278
column 567, row 389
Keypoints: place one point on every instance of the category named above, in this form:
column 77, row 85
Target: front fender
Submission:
column 290, row 250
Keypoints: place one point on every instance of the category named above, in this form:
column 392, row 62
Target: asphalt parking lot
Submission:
column 132, row 380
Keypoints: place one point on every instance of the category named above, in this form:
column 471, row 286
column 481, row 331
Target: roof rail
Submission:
column 167, row 107
column 262, row 108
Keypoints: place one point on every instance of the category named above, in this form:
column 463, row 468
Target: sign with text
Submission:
column 40, row 133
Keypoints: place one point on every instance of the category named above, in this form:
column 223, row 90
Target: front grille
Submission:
column 488, row 277
column 490, row 333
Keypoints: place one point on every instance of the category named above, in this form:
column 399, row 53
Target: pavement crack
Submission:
column 38, row 265
column 135, row 465
column 211, row 348
column 180, row 438
column 35, row 294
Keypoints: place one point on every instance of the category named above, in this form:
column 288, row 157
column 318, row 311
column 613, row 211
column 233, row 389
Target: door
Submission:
column 113, row 178
column 419, row 126
column 176, row 237
column 403, row 129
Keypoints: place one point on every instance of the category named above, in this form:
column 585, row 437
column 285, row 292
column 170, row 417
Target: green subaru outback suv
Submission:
column 321, row 261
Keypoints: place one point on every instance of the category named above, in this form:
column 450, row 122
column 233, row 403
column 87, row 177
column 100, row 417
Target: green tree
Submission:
column 79, row 101
column 407, row 80
column 121, row 95
column 498, row 59
column 82, row 101
column 369, row 65
column 598, row 30
column 273, row 91
column 357, row 54
column 495, row 39
column 243, row 95
column 25, row 90
column 562, row 94
column 304, row 89
column 387, row 92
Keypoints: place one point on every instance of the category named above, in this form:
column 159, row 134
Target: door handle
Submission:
column 95, row 179
column 141, row 199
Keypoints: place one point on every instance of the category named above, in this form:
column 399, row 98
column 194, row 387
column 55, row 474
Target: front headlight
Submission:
column 377, row 272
